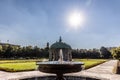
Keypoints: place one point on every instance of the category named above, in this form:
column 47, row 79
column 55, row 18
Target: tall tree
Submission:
column 105, row 53
column 1, row 51
column 116, row 53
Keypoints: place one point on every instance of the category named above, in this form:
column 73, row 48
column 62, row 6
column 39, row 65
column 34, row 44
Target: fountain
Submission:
column 61, row 56
column 60, row 64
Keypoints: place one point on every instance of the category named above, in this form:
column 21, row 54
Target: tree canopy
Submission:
column 9, row 51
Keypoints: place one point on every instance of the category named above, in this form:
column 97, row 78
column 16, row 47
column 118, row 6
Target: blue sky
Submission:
column 36, row 22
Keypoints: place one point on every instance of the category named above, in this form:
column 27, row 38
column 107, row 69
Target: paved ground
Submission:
column 105, row 71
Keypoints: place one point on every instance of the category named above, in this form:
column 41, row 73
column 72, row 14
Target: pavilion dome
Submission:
column 60, row 45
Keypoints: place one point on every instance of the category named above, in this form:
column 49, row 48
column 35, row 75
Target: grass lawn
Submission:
column 15, row 67
column 91, row 62
column 27, row 65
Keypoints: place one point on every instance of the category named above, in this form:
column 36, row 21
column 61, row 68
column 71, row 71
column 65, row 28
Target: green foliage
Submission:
column 116, row 53
column 27, row 52
column 30, row 52
column 84, row 53
column 105, row 53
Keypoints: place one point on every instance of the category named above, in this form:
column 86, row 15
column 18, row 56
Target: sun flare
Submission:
column 76, row 20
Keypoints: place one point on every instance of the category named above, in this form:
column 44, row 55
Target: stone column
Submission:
column 50, row 56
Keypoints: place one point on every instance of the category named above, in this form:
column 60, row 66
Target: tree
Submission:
column 36, row 51
column 19, row 52
column 15, row 51
column 1, row 51
column 105, row 53
column 9, row 52
column 116, row 53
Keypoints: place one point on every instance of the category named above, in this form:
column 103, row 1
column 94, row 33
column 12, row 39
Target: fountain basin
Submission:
column 66, row 77
column 57, row 67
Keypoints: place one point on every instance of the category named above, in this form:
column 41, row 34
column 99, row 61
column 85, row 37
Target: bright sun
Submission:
column 76, row 20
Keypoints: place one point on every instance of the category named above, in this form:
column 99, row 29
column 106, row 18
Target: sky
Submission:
column 36, row 22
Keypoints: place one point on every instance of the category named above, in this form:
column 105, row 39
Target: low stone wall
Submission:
column 116, row 67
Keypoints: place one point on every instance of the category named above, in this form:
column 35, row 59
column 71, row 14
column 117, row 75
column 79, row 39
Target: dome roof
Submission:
column 60, row 45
